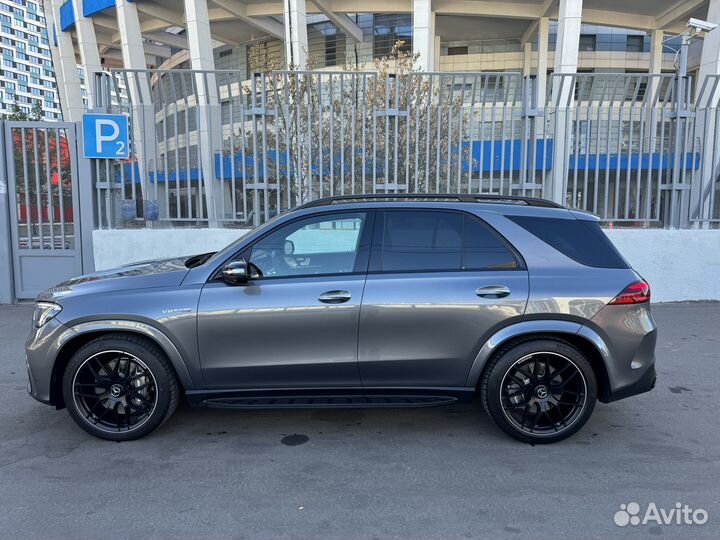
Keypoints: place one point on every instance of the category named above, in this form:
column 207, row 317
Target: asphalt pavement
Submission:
column 441, row 473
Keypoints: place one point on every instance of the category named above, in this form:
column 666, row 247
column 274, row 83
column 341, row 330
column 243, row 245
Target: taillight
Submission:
column 635, row 293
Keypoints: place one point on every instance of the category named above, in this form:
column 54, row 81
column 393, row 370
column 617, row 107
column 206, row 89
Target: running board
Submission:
column 334, row 402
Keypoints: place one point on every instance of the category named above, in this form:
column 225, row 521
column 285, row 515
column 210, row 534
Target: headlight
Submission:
column 44, row 311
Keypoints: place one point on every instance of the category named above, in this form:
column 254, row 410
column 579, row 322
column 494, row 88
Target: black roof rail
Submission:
column 452, row 197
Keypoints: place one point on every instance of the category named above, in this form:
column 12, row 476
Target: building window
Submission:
column 388, row 29
column 326, row 45
column 587, row 42
column 264, row 56
column 457, row 51
column 635, row 43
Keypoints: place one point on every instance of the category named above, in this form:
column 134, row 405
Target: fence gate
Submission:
column 41, row 163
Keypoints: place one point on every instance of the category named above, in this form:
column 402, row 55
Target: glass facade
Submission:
column 326, row 45
column 388, row 29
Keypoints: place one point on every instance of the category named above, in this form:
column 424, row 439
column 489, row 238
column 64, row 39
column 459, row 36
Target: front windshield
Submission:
column 232, row 248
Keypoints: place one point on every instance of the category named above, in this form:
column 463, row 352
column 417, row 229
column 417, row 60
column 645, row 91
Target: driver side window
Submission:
column 318, row 245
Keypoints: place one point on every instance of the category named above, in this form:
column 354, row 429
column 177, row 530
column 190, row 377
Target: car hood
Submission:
column 140, row 275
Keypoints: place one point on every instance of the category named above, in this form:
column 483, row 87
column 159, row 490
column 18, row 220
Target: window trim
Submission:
column 366, row 235
column 379, row 229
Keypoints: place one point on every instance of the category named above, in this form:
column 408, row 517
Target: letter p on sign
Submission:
column 106, row 136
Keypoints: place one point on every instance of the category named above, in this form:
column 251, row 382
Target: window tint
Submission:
column 317, row 245
column 417, row 241
column 484, row 249
column 422, row 241
column 581, row 240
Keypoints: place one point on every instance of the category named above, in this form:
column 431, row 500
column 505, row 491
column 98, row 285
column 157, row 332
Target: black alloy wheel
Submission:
column 115, row 391
column 120, row 387
column 539, row 390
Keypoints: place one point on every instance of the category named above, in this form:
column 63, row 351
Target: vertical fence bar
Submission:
column 48, row 180
column 28, row 207
column 38, row 189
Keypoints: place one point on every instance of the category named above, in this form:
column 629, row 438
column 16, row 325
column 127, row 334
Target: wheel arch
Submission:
column 78, row 335
column 582, row 337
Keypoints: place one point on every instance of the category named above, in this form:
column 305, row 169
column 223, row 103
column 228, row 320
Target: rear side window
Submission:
column 421, row 241
column 427, row 241
column 581, row 240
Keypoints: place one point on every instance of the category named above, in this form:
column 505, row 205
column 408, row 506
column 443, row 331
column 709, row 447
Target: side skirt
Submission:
column 323, row 398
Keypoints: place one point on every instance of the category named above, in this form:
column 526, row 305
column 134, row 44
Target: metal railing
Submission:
column 212, row 149
column 705, row 188
column 623, row 144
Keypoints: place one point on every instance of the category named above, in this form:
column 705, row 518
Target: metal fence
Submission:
column 211, row 149
column 704, row 194
column 41, row 199
column 624, row 144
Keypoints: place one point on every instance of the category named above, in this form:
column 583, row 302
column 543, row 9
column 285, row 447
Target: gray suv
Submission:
column 363, row 301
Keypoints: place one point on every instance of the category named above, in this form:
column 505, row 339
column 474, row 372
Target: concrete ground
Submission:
column 441, row 473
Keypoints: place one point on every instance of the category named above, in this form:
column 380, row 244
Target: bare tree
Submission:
column 392, row 129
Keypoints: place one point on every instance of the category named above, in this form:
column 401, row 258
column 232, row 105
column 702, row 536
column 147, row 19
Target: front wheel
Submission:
column 539, row 391
column 120, row 387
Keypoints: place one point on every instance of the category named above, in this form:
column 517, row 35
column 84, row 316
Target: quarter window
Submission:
column 581, row 240
column 484, row 249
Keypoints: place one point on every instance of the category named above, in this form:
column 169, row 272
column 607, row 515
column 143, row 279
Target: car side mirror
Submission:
column 235, row 273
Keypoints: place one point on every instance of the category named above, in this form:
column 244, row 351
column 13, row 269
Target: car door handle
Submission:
column 335, row 297
column 493, row 291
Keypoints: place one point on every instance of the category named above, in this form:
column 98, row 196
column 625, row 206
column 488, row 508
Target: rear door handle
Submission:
column 335, row 297
column 493, row 291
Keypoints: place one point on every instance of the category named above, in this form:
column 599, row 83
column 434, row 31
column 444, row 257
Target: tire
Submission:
column 539, row 391
column 120, row 387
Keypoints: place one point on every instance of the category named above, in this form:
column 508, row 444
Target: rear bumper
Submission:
column 629, row 335
column 644, row 384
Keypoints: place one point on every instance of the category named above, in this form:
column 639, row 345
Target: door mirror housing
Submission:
column 235, row 273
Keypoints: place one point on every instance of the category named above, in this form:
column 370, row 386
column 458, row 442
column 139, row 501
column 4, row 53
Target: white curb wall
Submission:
column 679, row 264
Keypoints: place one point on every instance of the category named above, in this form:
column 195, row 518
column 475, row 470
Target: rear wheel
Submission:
column 120, row 387
column 539, row 391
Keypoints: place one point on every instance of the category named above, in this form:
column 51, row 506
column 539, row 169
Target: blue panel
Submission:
column 105, row 136
column 227, row 171
column 486, row 156
column 507, row 155
column 67, row 16
column 633, row 162
column 91, row 7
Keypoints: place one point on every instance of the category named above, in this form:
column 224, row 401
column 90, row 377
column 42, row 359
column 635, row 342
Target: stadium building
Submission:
column 535, row 37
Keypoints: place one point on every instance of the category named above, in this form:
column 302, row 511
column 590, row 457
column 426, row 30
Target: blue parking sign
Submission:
column 105, row 136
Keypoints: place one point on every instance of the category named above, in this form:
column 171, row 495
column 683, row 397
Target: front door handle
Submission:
column 493, row 291
column 335, row 297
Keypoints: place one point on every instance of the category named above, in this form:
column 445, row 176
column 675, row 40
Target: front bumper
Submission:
column 41, row 350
